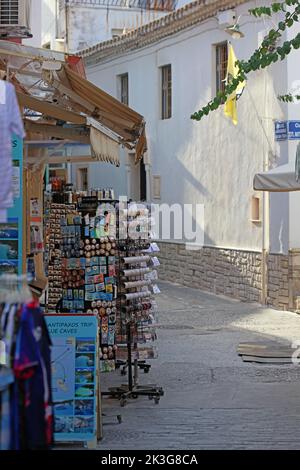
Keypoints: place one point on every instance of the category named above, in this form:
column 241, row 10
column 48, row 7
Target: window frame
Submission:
column 221, row 65
column 166, row 91
column 82, row 177
column 156, row 186
column 256, row 209
column 121, row 78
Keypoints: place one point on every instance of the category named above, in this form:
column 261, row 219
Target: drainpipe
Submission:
column 67, row 26
column 148, row 182
column 266, row 212
column 128, row 178
column 265, row 237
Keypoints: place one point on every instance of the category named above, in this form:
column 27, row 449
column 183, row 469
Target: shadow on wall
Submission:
column 217, row 161
column 233, row 273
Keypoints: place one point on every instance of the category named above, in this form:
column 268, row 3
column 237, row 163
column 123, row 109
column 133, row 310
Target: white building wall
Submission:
column 293, row 83
column 212, row 161
column 102, row 175
column 89, row 25
column 49, row 23
column 35, row 24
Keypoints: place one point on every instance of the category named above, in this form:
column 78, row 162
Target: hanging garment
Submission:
column 8, row 328
column 32, row 368
column 26, row 420
column 8, row 331
column 6, row 379
column 10, row 123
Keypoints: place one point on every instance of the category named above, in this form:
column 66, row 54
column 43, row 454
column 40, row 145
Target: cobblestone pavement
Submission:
column 212, row 399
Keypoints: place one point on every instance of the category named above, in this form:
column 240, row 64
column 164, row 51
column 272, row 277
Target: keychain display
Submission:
column 54, row 241
column 81, row 263
column 99, row 249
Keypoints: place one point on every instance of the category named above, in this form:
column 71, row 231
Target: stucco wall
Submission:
column 212, row 162
column 89, row 25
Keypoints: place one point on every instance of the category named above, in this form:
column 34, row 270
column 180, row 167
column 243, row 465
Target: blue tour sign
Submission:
column 281, row 132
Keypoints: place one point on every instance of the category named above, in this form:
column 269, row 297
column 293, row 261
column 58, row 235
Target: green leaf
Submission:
column 281, row 25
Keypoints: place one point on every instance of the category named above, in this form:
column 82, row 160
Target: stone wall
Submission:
column 229, row 272
column 278, row 281
column 233, row 273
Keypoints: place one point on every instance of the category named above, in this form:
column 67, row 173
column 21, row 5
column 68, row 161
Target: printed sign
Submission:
column 16, row 179
column 35, row 209
column 281, row 132
column 11, row 231
column 74, row 377
column 294, row 130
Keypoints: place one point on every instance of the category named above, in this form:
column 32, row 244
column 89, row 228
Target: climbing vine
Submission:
column 268, row 53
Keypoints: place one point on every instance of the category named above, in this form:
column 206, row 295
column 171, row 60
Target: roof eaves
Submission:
column 182, row 18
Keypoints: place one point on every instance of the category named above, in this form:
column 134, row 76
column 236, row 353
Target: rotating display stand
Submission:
column 135, row 307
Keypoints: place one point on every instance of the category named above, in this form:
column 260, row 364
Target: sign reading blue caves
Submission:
column 294, row 130
column 281, row 132
column 74, row 376
column 11, row 230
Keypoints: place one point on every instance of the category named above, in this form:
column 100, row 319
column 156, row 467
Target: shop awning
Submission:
column 103, row 107
column 280, row 179
column 49, row 84
column 49, row 109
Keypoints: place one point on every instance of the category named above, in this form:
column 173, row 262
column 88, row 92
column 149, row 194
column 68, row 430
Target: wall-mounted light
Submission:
column 234, row 31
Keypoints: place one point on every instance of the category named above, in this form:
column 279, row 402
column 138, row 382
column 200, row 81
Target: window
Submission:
column 166, row 92
column 9, row 12
column 124, row 98
column 255, row 209
column 143, row 181
column 156, row 186
column 82, row 179
column 221, row 66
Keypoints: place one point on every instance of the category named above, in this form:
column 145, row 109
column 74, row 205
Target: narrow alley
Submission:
column 213, row 400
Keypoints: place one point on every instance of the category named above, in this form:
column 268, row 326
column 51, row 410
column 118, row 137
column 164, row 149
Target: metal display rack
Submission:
column 131, row 255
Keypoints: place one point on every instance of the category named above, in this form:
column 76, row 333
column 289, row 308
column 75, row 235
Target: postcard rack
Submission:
column 136, row 318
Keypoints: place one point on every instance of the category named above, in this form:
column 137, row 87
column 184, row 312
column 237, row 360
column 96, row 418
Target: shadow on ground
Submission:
column 212, row 399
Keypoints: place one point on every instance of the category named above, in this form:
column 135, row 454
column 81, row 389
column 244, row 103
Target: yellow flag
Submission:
column 232, row 72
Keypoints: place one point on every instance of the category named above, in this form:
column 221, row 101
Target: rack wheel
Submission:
column 156, row 400
column 119, row 418
column 146, row 370
column 150, row 397
column 134, row 395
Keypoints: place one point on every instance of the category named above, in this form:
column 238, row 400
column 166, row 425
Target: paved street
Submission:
column 212, row 399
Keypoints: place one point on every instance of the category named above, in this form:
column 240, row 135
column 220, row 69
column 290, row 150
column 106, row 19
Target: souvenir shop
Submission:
column 77, row 269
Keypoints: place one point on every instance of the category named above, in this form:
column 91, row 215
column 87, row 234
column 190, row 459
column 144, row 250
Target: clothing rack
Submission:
column 26, row 419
